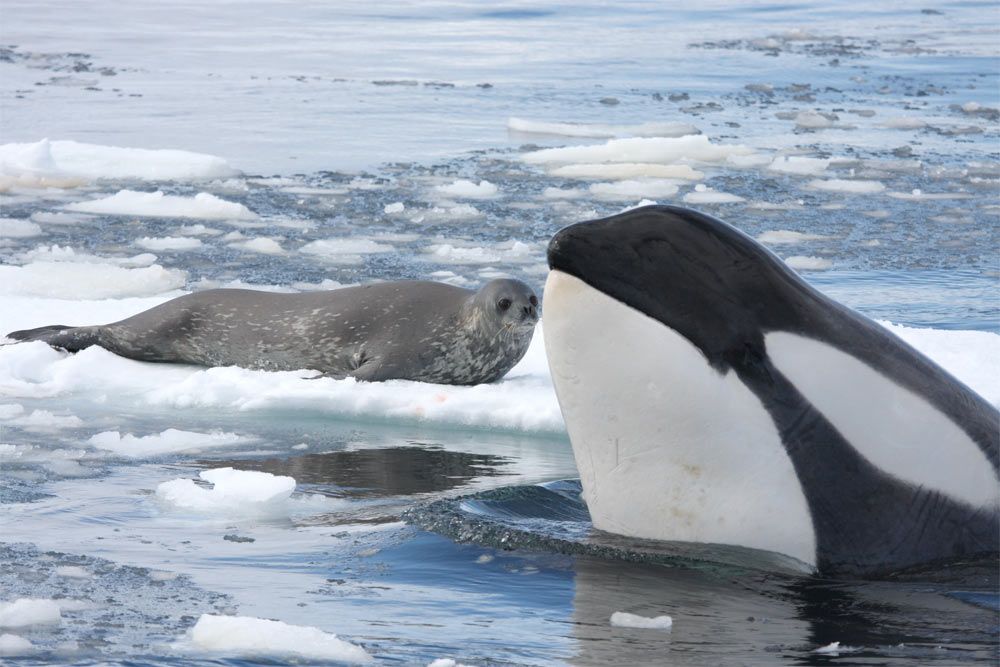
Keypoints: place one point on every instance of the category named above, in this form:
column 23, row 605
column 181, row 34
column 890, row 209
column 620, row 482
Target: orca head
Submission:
column 697, row 275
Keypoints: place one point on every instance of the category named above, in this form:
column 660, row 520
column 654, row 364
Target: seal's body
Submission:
column 410, row 330
column 712, row 395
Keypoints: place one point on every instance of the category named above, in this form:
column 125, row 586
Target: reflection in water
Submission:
column 376, row 473
column 729, row 605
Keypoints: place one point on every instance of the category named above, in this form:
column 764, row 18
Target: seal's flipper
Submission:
column 62, row 336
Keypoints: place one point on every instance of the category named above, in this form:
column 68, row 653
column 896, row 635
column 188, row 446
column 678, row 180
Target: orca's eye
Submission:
column 503, row 304
column 533, row 300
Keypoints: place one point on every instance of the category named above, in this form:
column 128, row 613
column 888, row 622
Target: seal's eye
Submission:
column 533, row 300
column 503, row 304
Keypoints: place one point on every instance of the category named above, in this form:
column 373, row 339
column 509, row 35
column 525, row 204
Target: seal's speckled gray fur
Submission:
column 410, row 330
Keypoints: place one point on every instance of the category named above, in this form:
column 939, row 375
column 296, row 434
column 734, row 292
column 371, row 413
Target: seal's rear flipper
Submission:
column 59, row 335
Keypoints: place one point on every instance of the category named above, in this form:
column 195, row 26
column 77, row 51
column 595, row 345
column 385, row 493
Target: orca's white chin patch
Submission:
column 667, row 448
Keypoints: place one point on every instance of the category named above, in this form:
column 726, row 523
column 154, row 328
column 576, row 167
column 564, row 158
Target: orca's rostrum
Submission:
column 712, row 395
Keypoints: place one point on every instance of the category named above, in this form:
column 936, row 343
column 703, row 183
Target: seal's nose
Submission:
column 530, row 311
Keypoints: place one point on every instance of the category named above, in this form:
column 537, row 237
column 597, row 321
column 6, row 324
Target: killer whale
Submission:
column 712, row 395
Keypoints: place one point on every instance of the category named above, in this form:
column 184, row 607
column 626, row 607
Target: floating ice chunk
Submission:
column 843, row 185
column 25, row 612
column 563, row 193
column 904, row 123
column 804, row 166
column 169, row 243
column 158, row 205
column 12, row 646
column 628, row 170
column 459, row 211
column 53, row 160
column 13, row 228
column 835, row 648
column 642, row 202
column 445, row 662
column 262, row 244
column 58, row 253
column 808, row 263
column 599, row 131
column 198, row 230
column 918, row 195
column 59, row 217
column 624, row 190
column 658, row 150
column 395, row 207
column 780, row 236
column 71, row 572
column 253, row 637
column 345, row 250
column 80, row 280
column 234, row 492
column 325, row 284
column 465, row 189
column 748, row 161
column 46, row 421
column 811, row 120
column 705, row 195
column 621, row 619
column 167, row 442
column 508, row 252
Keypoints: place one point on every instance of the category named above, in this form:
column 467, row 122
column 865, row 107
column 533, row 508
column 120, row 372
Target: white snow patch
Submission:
column 621, row 619
column 919, row 195
column 780, row 236
column 843, row 185
column 12, row 646
column 803, row 166
column 509, row 252
column 46, row 421
column 58, row 253
column 13, row 228
column 25, row 612
column 169, row 243
column 159, row 205
column 67, row 163
column 808, row 263
column 811, row 120
column 198, row 230
column 464, row 189
column 234, row 492
column 659, row 150
column 395, row 207
column 628, row 170
column 446, row 662
column 169, row 441
column 253, row 637
column 600, row 131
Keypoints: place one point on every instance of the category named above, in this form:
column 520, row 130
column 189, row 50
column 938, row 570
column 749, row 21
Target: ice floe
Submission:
column 658, row 150
column 626, row 190
column 262, row 244
column 167, row 442
column 802, row 166
column 240, row 493
column 808, row 263
column 159, row 205
column 258, row 637
column 87, row 280
column 69, row 163
column 845, row 185
column 26, row 612
column 628, row 170
column 703, row 194
column 464, row 189
column 781, row 236
column 13, row 645
column 175, row 243
column 601, row 131
column 621, row 619
column 345, row 250
column 13, row 228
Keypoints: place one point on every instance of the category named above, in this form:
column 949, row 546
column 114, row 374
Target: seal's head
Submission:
column 507, row 305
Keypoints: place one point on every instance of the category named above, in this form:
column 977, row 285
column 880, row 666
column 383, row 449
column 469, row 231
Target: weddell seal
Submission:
column 405, row 330
column 760, row 412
